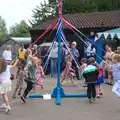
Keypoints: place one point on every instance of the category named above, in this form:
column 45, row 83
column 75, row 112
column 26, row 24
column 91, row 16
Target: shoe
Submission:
column 19, row 93
column 98, row 96
column 110, row 83
column 94, row 99
column 84, row 85
column 3, row 106
column 90, row 101
column 7, row 110
column 101, row 93
column 23, row 99
column 14, row 96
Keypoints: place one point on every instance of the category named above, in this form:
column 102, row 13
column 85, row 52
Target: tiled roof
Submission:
column 88, row 20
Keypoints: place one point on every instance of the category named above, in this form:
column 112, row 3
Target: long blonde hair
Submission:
column 3, row 65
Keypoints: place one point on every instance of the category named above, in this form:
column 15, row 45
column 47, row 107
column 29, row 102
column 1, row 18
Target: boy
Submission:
column 91, row 74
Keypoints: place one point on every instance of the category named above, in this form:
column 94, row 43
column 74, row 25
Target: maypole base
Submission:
column 58, row 93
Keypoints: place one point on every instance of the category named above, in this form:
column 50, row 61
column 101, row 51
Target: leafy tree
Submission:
column 3, row 29
column 20, row 30
column 47, row 11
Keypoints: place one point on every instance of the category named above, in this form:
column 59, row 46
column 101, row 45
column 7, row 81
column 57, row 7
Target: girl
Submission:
column 100, row 77
column 116, row 74
column 83, row 66
column 39, row 74
column 5, row 83
column 20, row 79
column 68, row 72
column 29, row 77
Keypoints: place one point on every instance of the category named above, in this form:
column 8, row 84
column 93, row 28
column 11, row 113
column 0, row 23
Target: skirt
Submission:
column 100, row 81
column 5, row 87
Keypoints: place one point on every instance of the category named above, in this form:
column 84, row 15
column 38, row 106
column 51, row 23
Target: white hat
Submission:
column 74, row 43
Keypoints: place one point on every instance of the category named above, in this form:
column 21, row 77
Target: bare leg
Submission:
column 98, row 91
column 5, row 97
column 72, row 80
column 110, row 77
column 16, row 89
column 19, row 92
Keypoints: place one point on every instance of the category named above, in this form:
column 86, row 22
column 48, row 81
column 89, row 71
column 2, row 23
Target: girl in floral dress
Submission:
column 39, row 74
column 68, row 72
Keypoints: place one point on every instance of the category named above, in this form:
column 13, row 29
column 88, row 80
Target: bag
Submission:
column 116, row 88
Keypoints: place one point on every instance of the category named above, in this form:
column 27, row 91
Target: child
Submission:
column 20, row 79
column 116, row 73
column 83, row 66
column 100, row 78
column 5, row 83
column 29, row 77
column 39, row 74
column 68, row 72
column 90, row 74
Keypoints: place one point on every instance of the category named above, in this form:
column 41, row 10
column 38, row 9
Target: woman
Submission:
column 108, row 65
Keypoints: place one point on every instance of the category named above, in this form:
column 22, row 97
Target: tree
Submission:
column 3, row 29
column 47, row 11
column 20, row 30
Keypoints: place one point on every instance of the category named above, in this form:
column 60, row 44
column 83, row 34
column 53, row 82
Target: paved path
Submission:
column 105, row 108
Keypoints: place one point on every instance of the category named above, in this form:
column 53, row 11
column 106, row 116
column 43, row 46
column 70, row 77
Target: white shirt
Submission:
column 7, row 55
column 5, row 76
column 54, row 52
column 90, row 51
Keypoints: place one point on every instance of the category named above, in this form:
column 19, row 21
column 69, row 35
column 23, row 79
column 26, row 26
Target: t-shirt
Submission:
column 7, row 55
column 5, row 76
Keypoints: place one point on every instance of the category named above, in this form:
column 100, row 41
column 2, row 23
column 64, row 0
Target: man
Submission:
column 90, row 50
column 75, row 54
column 35, row 51
column 7, row 54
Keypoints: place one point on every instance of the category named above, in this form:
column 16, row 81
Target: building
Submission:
column 14, row 45
column 85, row 22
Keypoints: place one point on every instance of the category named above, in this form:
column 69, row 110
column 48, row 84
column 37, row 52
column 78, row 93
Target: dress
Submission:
column 38, row 76
column 100, row 76
column 108, row 66
column 5, row 85
column 68, row 72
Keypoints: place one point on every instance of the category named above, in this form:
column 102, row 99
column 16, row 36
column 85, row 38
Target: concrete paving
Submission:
column 105, row 108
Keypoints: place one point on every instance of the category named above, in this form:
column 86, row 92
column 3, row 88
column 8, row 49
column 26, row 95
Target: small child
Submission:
column 39, row 74
column 83, row 66
column 20, row 79
column 90, row 74
column 5, row 83
column 68, row 72
column 100, row 78
column 116, row 73
column 29, row 77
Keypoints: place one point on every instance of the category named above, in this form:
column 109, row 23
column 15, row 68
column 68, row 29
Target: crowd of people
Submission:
column 30, row 64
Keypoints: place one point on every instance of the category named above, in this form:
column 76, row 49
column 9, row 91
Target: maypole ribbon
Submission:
column 71, row 26
column 50, row 27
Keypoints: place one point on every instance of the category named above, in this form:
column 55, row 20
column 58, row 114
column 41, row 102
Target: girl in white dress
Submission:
column 5, row 83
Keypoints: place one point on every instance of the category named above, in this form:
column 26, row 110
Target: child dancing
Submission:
column 116, row 74
column 29, row 77
column 100, row 78
column 90, row 74
column 5, row 83
column 39, row 74
column 68, row 72
column 83, row 66
column 20, row 80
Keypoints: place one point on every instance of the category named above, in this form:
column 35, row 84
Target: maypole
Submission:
column 58, row 91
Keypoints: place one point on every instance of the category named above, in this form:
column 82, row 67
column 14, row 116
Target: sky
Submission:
column 13, row 11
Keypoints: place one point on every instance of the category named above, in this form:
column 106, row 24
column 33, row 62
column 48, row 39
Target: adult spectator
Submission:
column 75, row 54
column 108, row 63
column 53, row 59
column 7, row 54
column 62, row 57
column 118, row 50
column 90, row 50
column 35, row 51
